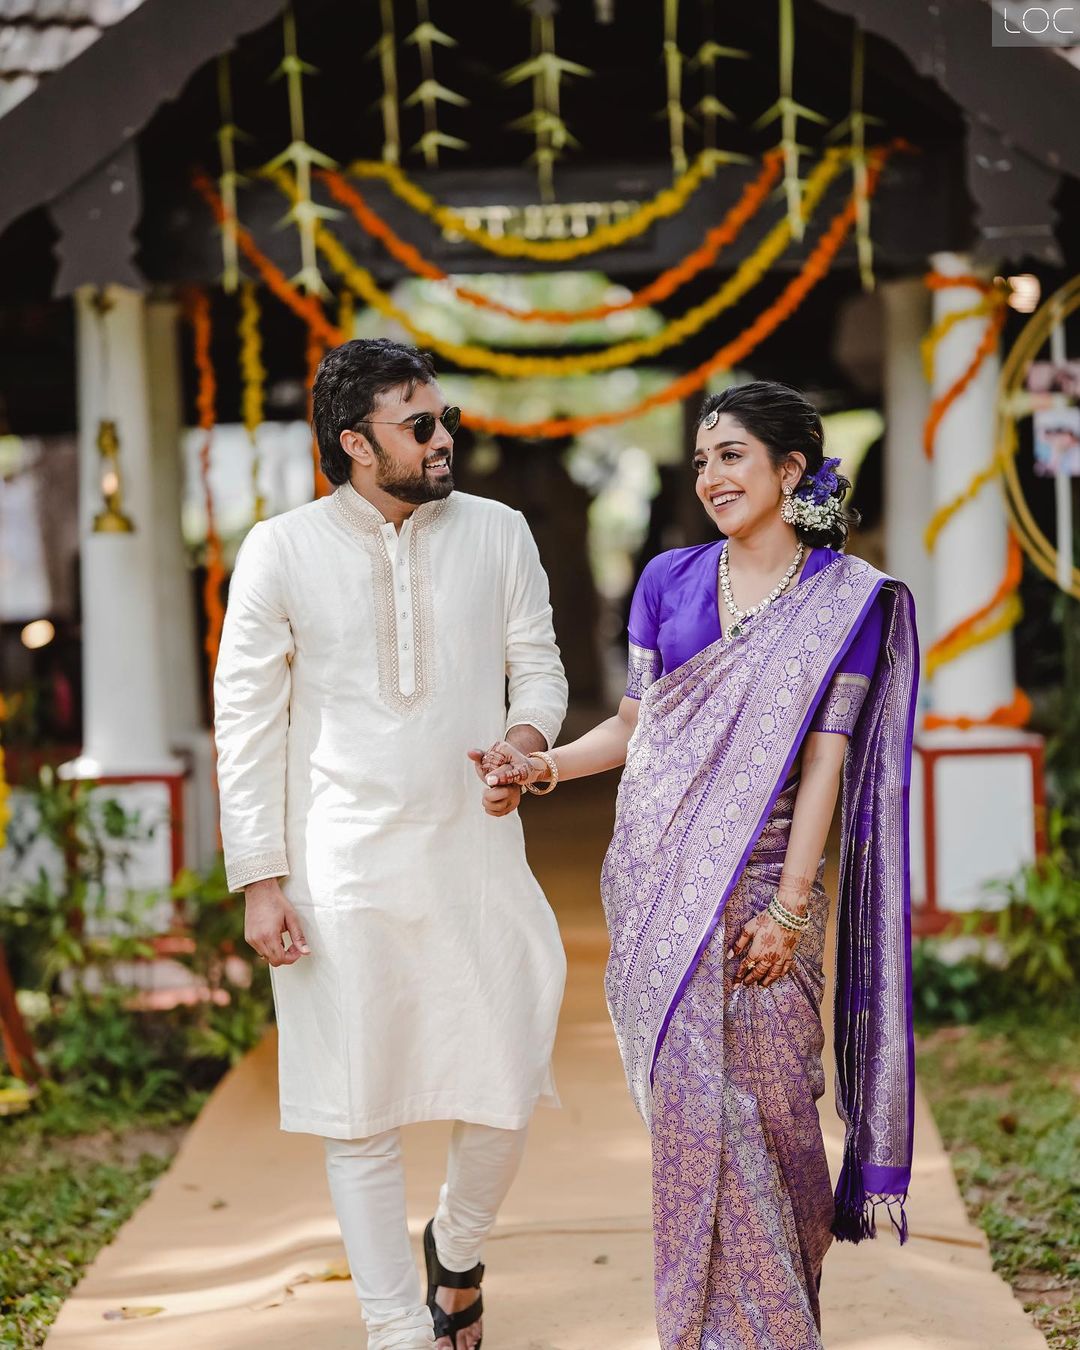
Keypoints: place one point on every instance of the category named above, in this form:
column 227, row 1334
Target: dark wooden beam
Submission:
column 82, row 114
column 1016, row 101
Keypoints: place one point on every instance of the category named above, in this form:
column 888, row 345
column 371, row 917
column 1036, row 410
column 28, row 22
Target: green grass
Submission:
column 70, row 1175
column 1006, row 1096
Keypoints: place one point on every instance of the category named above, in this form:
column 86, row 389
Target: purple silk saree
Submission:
column 727, row 1077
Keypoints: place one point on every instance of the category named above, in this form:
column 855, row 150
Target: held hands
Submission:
column 268, row 917
column 499, row 769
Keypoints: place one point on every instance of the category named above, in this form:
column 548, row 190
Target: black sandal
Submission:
column 449, row 1324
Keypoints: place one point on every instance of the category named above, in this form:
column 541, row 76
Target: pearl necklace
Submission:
column 741, row 615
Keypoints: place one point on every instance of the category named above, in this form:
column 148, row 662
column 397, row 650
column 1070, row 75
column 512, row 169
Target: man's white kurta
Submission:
column 358, row 665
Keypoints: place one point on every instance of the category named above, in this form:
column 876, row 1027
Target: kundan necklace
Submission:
column 741, row 615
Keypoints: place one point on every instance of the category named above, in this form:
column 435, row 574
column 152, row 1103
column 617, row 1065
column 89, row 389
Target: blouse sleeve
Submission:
column 644, row 663
column 839, row 710
column 252, row 687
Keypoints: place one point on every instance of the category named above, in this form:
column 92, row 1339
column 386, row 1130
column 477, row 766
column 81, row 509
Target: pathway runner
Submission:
column 234, row 1240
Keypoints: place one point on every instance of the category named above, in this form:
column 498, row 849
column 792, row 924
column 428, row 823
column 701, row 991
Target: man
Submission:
column 417, row 967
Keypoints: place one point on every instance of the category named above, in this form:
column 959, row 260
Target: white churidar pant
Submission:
column 367, row 1185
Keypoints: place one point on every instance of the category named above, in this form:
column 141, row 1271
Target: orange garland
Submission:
column 316, row 350
column 813, row 270
column 198, row 312
column 941, row 405
column 1015, row 714
column 1014, row 570
column 718, row 238
column 306, row 307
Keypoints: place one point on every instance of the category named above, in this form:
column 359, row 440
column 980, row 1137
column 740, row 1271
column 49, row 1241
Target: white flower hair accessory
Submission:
column 814, row 505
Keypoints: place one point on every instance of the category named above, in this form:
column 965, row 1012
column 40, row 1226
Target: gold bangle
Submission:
column 553, row 773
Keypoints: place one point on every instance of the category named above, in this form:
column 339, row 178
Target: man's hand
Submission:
column 268, row 917
column 498, row 801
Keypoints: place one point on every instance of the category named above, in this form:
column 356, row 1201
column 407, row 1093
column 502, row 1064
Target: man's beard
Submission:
column 415, row 488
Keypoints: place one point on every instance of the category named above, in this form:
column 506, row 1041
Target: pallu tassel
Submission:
column 854, row 1217
column 890, row 1202
column 856, row 1212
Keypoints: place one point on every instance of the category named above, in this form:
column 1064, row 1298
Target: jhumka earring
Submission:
column 787, row 506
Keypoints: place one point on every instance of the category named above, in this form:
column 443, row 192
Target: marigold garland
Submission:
column 306, row 307
column 1015, row 714
column 198, row 310
column 944, row 514
column 315, row 351
column 929, row 344
column 746, row 276
column 978, row 627
column 252, row 384
column 812, row 271
column 995, row 303
column 667, row 202
column 719, row 237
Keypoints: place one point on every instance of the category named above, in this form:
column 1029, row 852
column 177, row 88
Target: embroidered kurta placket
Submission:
column 397, row 547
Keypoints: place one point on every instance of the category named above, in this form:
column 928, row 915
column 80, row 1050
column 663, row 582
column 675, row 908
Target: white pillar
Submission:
column 969, row 558
column 974, row 790
column 907, row 474
column 125, row 731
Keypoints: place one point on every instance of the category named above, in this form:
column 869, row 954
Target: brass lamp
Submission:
column 111, row 520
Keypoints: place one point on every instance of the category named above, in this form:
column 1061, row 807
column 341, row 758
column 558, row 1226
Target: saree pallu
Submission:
column 715, row 743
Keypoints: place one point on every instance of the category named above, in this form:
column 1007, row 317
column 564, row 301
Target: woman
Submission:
column 763, row 670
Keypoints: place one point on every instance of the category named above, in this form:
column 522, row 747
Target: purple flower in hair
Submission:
column 819, row 487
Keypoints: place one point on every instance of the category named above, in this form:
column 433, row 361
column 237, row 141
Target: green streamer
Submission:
column 430, row 93
column 305, row 212
column 789, row 112
column 856, row 123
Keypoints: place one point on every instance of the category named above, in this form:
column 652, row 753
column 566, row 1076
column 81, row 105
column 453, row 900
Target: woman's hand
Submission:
column 769, row 951
column 504, row 765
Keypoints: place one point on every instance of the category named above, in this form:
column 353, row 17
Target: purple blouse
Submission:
column 675, row 614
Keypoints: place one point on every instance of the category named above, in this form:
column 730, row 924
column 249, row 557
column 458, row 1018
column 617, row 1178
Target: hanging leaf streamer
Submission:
column 386, row 50
column 789, row 112
column 430, row 93
column 856, row 124
column 546, row 69
column 227, row 136
column 304, row 212
column 673, row 65
column 710, row 108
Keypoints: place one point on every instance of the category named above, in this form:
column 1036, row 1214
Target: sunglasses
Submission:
column 423, row 424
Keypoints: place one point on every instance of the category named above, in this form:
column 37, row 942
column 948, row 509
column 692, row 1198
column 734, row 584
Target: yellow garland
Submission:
column 746, row 276
column 929, row 344
column 346, row 315
column 944, row 514
column 1011, row 613
column 253, row 383
column 666, row 203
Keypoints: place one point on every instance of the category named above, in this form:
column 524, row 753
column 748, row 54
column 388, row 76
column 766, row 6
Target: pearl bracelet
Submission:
column 794, row 923
column 553, row 774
